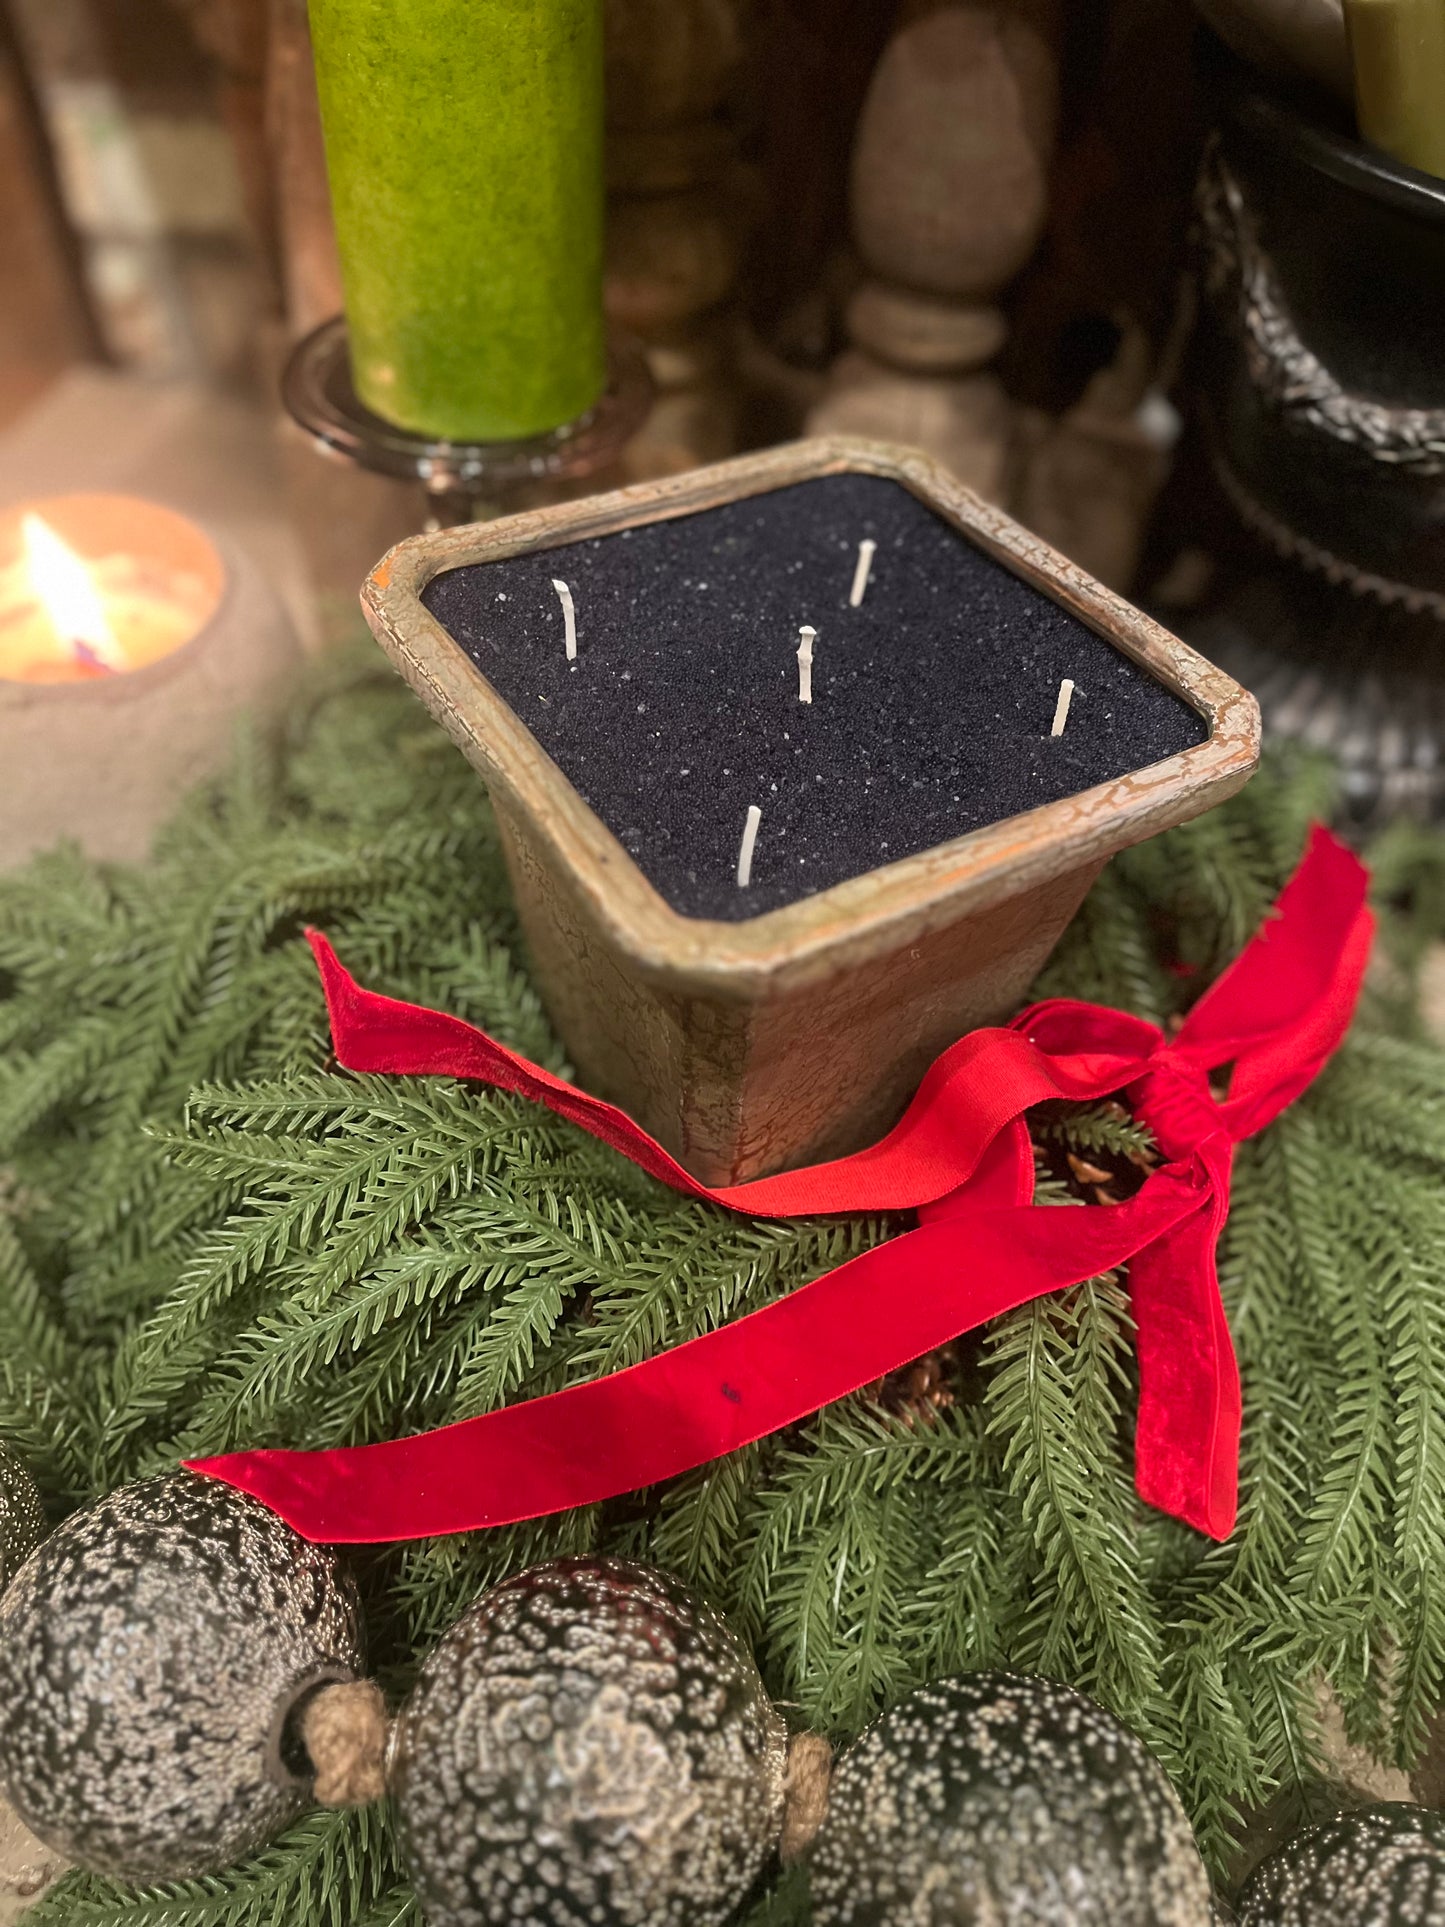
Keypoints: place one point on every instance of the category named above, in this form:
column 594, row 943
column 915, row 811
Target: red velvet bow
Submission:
column 961, row 1159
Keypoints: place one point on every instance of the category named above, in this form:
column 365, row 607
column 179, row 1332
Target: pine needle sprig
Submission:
column 1057, row 1369
column 327, row 1869
column 1343, row 1528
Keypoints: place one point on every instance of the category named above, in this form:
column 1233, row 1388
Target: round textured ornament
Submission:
column 151, row 1655
column 1380, row 1866
column 22, row 1523
column 588, row 1746
column 1000, row 1799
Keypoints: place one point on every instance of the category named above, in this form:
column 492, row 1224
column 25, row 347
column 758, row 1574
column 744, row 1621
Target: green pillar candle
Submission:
column 464, row 152
column 1397, row 49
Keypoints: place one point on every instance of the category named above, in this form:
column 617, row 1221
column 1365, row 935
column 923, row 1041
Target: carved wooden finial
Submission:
column 949, row 192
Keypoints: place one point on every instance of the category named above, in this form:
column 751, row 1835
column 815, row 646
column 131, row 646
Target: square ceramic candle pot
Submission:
column 924, row 837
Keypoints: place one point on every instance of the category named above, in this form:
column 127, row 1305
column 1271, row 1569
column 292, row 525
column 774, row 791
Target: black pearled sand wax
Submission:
column 932, row 701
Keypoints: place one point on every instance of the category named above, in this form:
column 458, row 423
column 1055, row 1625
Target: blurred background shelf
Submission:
column 980, row 226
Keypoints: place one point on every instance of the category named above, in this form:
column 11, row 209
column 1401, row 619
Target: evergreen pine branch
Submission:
column 34, row 1086
column 397, row 1907
column 832, row 1554
column 1420, row 1663
column 980, row 1560
column 1106, row 955
column 711, row 1267
column 224, row 1240
column 1275, row 1342
column 1057, row 1368
column 785, row 1903
column 41, row 1427
column 699, row 1519
column 1085, row 1128
column 327, row 1869
column 438, row 1579
column 34, row 1340
column 1343, row 1528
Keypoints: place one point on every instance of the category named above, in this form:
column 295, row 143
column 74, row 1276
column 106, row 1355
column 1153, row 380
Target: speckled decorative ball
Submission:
column 152, row 1653
column 589, row 1746
column 22, row 1522
column 1003, row 1799
column 1380, row 1866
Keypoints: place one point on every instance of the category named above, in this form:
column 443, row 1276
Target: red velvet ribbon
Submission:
column 960, row 1158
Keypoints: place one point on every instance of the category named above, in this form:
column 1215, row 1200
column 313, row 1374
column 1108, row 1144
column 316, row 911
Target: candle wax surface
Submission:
column 464, row 154
column 932, row 701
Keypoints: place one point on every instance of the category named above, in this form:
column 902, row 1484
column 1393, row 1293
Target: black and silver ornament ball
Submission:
column 153, row 1654
column 588, row 1745
column 1000, row 1798
column 22, row 1522
column 1378, row 1866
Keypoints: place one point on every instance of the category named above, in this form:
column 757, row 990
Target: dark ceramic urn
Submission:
column 1320, row 389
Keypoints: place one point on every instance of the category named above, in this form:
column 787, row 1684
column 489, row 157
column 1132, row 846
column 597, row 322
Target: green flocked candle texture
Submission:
column 464, row 151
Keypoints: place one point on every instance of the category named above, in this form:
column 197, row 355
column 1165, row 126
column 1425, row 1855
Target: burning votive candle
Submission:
column 464, row 153
column 100, row 585
column 130, row 646
column 920, row 814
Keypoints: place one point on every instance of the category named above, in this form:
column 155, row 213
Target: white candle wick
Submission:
column 1061, row 708
column 867, row 549
column 745, row 854
column 569, row 616
column 806, row 637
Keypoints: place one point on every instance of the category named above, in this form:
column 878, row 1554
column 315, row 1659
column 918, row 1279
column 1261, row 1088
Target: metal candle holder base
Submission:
column 462, row 481
column 1344, row 675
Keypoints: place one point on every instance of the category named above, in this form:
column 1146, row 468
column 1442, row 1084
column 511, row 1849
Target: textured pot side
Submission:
column 800, row 1034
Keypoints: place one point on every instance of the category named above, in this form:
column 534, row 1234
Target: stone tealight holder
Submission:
column 107, row 760
column 924, row 839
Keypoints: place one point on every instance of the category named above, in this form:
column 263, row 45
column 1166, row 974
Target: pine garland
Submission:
column 209, row 1236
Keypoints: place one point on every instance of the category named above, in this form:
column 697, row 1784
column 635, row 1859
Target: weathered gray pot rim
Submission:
column 889, row 906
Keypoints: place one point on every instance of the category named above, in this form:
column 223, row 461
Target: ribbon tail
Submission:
column 1282, row 1008
column 684, row 1407
column 370, row 1032
column 1186, row 1443
column 960, row 1156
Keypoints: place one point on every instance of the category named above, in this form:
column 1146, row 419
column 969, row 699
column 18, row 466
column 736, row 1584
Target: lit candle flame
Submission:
column 65, row 590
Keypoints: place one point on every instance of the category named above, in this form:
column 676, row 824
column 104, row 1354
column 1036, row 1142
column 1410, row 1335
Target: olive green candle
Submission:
column 464, row 152
column 1397, row 49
